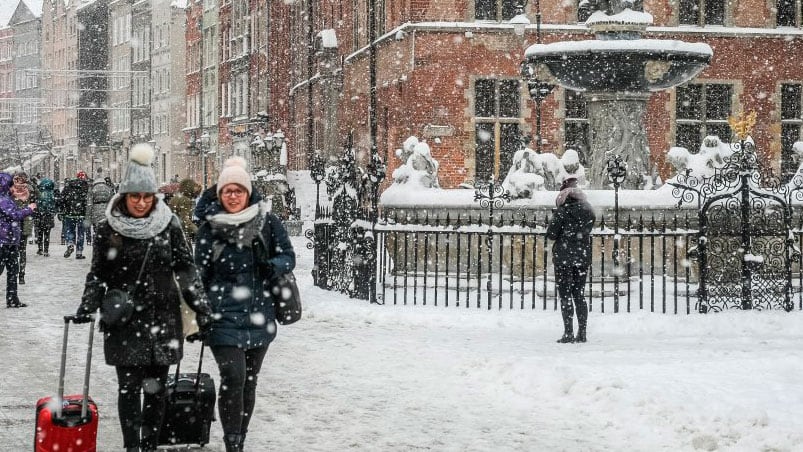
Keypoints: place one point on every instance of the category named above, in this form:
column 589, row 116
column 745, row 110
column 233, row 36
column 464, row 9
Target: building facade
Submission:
column 59, row 84
column 8, row 139
column 33, row 139
column 449, row 72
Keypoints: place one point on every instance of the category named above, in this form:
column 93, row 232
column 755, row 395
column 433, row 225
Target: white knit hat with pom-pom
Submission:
column 139, row 177
column 234, row 172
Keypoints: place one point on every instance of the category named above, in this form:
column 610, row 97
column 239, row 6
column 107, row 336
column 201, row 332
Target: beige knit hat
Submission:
column 234, row 172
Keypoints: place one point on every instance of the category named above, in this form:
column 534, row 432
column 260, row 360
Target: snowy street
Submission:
column 351, row 376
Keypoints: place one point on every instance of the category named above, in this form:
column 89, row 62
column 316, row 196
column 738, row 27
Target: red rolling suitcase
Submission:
column 68, row 423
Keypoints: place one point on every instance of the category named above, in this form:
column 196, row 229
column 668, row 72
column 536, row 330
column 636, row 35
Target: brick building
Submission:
column 448, row 69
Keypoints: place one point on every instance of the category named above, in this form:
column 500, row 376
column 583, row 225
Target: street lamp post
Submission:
column 538, row 89
column 92, row 149
column 617, row 171
column 204, row 148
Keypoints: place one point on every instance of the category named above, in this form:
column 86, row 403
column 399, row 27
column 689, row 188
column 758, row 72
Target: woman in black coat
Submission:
column 570, row 228
column 140, row 232
column 238, row 251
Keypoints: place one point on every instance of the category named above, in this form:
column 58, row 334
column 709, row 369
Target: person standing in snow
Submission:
column 11, row 217
column 140, row 231
column 570, row 229
column 44, row 216
column 238, row 252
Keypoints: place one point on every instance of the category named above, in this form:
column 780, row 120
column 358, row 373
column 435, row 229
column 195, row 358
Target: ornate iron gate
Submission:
column 745, row 247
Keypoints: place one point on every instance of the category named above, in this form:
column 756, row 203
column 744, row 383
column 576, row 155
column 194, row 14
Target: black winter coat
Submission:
column 236, row 279
column 72, row 202
column 154, row 335
column 570, row 228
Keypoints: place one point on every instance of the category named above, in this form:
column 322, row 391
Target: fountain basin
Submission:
column 620, row 65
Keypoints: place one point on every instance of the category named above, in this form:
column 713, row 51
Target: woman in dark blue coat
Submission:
column 238, row 252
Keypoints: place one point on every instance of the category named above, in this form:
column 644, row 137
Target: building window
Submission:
column 702, row 110
column 790, row 13
column 496, row 118
column 702, row 12
column 498, row 10
column 576, row 124
column 791, row 125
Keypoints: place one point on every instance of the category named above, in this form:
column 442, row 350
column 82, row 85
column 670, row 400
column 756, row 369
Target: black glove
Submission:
column 199, row 336
column 204, row 321
column 82, row 318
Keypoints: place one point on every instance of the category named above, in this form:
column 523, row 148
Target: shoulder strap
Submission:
column 144, row 261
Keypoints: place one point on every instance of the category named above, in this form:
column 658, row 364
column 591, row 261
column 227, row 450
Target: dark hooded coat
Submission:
column 154, row 334
column 570, row 228
column 237, row 278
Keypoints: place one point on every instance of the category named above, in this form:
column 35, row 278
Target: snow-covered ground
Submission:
column 351, row 376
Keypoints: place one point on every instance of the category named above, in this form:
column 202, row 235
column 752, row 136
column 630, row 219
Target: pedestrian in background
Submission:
column 183, row 203
column 141, row 232
column 570, row 228
column 23, row 193
column 44, row 216
column 238, row 252
column 73, row 211
column 98, row 196
column 11, row 216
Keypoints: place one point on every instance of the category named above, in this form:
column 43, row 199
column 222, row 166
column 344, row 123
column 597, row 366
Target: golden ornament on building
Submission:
column 743, row 125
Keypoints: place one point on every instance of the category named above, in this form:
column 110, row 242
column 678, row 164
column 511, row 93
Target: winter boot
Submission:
column 233, row 442
column 581, row 336
column 15, row 303
column 39, row 252
column 567, row 313
column 70, row 249
column 80, row 256
column 21, row 278
column 567, row 338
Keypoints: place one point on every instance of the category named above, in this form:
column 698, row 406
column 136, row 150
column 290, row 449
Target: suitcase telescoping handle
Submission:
column 197, row 377
column 62, row 369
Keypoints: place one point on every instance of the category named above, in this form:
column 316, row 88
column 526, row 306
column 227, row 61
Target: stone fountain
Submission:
column 617, row 71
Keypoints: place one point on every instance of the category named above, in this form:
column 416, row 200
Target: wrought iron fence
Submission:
column 440, row 260
column 445, row 261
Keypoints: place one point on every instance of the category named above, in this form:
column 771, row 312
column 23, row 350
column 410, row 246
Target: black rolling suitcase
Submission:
column 190, row 407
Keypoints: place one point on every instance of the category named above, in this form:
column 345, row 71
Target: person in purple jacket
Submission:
column 11, row 217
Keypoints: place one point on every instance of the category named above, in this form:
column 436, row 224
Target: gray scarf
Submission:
column 239, row 228
column 139, row 228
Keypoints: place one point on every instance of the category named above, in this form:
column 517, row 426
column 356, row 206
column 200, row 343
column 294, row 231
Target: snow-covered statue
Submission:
column 526, row 174
column 571, row 168
column 797, row 150
column 713, row 154
column 418, row 167
column 530, row 172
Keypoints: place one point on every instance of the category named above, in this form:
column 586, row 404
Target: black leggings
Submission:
column 43, row 239
column 134, row 414
column 571, row 282
column 238, row 385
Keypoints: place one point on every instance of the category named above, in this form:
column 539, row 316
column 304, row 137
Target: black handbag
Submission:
column 118, row 306
column 286, row 299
